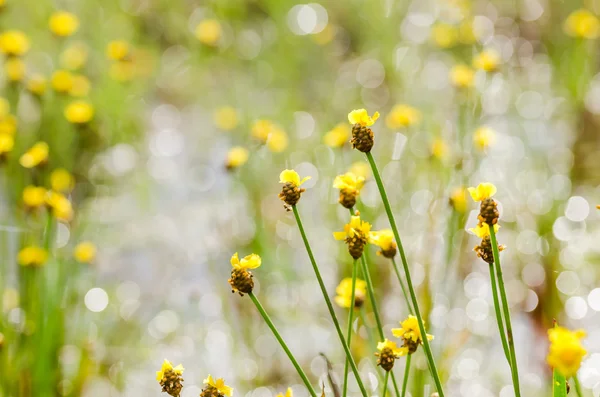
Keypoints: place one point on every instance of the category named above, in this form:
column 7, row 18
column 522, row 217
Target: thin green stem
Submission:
column 385, row 382
column 577, row 386
column 282, row 343
column 413, row 295
column 328, row 302
column 349, row 334
column 397, row 271
column 506, row 309
column 406, row 374
column 499, row 318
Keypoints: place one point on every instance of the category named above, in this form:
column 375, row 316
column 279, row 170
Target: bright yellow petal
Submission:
column 290, row 176
column 235, row 261
column 251, row 261
column 339, row 235
column 306, row 178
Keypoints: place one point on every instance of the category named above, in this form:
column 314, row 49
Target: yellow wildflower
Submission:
column 14, row 69
column 388, row 353
column 439, row 148
column 411, row 334
column 458, row 199
column 360, row 169
column 236, row 157
column 14, row 42
column 79, row 112
column 402, row 116
column 566, row 350
column 241, row 279
column 291, row 176
column 487, row 60
column 482, row 191
column 7, row 142
column 61, row 180
column 338, row 136
column 170, row 378
column 8, row 125
column 209, row 32
column 349, row 182
column 462, row 76
column 36, row 155
column 344, row 293
column 80, row 86
column 360, row 116
column 62, row 208
column 384, row 239
column 34, row 196
column 37, row 84
column 278, row 140
column 398, row 351
column 261, row 129
column 166, row 367
column 220, row 385
column 291, row 191
column 85, row 252
column 288, row 393
column 62, row 81
column 356, row 234
column 583, row 24
column 63, row 23
column 444, row 35
column 482, row 229
column 117, row 50
column 74, row 57
column 484, row 137
column 226, row 118
column 32, row 256
column 251, row 261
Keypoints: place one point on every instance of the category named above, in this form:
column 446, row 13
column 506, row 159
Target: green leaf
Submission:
column 559, row 385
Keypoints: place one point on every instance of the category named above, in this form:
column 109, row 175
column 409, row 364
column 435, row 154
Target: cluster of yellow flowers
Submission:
column 170, row 379
column 411, row 337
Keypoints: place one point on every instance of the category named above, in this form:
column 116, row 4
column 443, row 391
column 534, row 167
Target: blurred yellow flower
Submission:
column 117, row 50
column 60, row 205
column 484, row 137
column 444, row 35
column 80, row 86
column 462, row 76
column 482, row 229
column 34, row 196
column 566, row 350
column 402, row 116
column 79, row 112
column 236, row 157
column 85, row 252
column 122, row 71
column 483, row 191
column 439, row 149
column 7, row 142
column 32, row 256
column 220, row 385
column 74, row 57
column 458, row 199
column 261, row 129
column 14, row 69
column 338, row 136
column 168, row 367
column 37, row 84
column 288, row 393
column 344, row 293
column 360, row 116
column 4, row 107
column 356, row 226
column 209, row 32
column 278, row 140
column 291, row 176
column 62, row 81
column 466, row 33
column 14, row 42
column 8, row 125
column 36, row 155
column 360, row 169
column 63, row 23
column 387, row 344
column 251, row 261
column 349, row 183
column 410, row 331
column 226, row 118
column 61, row 180
column 384, row 239
column 583, row 24
column 487, row 60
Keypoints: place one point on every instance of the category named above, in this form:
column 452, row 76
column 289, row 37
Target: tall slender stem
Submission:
column 385, row 382
column 577, row 386
column 328, row 302
column 411, row 289
column 406, row 374
column 282, row 343
column 397, row 271
column 506, row 309
column 349, row 334
column 499, row 318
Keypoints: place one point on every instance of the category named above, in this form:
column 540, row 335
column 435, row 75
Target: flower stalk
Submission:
column 499, row 318
column 406, row 374
column 350, row 319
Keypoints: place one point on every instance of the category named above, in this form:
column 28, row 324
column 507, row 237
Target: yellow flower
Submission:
column 360, row 116
column 8, row 125
column 166, row 367
column 74, row 57
column 85, row 252
column 36, row 155
column 117, row 50
column 582, row 23
column 251, row 261
column 439, row 149
column 458, row 199
column 360, row 169
column 14, row 42
column 32, row 256
column 288, row 393
column 15, row 69
column 566, row 350
column 60, row 205
column 79, row 112
column 34, row 196
column 462, row 76
column 261, row 129
column 4, row 108
column 7, row 142
column 80, row 86
column 484, row 137
column 209, row 32
column 61, row 180
column 226, row 118
column 402, row 116
column 63, row 23
column 278, row 140
column 487, row 60
column 37, row 84
column 354, row 227
column 444, row 35
column 236, row 157
column 62, row 81
column 344, row 292
column 384, row 239
column 398, row 351
column 349, row 183
column 219, row 384
column 482, row 229
column 292, row 177
column 410, row 330
column 482, row 191
column 338, row 136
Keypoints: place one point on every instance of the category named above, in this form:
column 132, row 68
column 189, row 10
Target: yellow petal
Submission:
column 290, row 176
column 339, row 235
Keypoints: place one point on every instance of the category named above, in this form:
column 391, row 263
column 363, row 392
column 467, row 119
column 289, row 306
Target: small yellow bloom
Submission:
column 261, row 129
column 8, row 125
column 226, row 118
column 338, row 136
column 288, row 393
column 36, row 155
column 219, row 384
column 63, row 23
column 444, row 35
column 4, row 107
column 62, row 208
column 209, row 32
column 117, row 50
column 360, row 169
column 74, row 57
column 582, row 23
column 7, row 142
column 349, row 183
column 487, row 60
column 484, row 137
column 344, row 292
column 360, row 116
column 32, row 256
column 14, row 42
column 37, row 84
column 402, row 116
column 61, row 180
column 566, row 350
column 62, row 81
column 398, row 351
column 482, row 230
column 292, row 177
column 79, row 112
column 354, row 227
column 410, row 330
column 482, row 191
column 462, row 76
column 251, row 261
column 439, row 149
column 458, row 199
column 34, row 196
column 278, row 140
column 384, row 239
column 236, row 157
column 166, row 367
column 80, row 87
column 14, row 69
column 85, row 252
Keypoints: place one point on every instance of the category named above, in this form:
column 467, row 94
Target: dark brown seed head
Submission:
column 347, row 198
column 484, row 250
column 386, row 358
column 290, row 193
column 172, row 383
column 241, row 281
column 488, row 212
column 211, row 391
column 362, row 138
column 389, row 253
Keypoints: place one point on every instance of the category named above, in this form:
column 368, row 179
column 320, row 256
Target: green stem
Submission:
column 413, row 295
column 406, row 373
column 506, row 309
column 328, row 302
column 283, row 345
column 397, row 271
column 385, row 382
column 499, row 319
column 349, row 334
column 577, row 386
